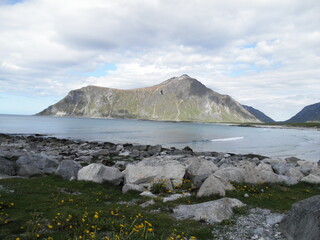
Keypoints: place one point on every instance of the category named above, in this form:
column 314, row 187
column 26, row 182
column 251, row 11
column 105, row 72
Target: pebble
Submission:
column 258, row 224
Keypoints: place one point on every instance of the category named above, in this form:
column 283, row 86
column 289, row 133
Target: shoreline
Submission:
column 274, row 126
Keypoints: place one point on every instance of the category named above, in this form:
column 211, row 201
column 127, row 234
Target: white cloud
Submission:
column 262, row 53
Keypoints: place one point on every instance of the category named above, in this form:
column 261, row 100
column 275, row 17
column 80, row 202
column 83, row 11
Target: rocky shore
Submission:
column 142, row 167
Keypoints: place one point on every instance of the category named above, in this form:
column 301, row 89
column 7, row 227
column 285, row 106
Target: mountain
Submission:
column 310, row 113
column 258, row 114
column 177, row 99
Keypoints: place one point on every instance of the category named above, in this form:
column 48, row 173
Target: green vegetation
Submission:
column 51, row 208
column 295, row 125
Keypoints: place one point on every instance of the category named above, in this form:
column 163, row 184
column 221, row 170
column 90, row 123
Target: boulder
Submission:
column 84, row 159
column 7, row 167
column 28, row 171
column 287, row 180
column 256, row 176
column 311, row 179
column 303, row 220
column 315, row 171
column 99, row 173
column 101, row 152
column 199, row 166
column 231, row 174
column 280, row 168
column 147, row 204
column 150, row 169
column 175, row 197
column 148, row 194
column 211, row 212
column 264, row 167
column 199, row 180
column 294, row 173
column 40, row 161
column 292, row 160
column 274, row 161
column 68, row 169
column 132, row 187
column 214, row 185
column 154, row 150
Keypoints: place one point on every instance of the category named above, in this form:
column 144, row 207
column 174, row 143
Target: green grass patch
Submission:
column 275, row 197
column 51, row 208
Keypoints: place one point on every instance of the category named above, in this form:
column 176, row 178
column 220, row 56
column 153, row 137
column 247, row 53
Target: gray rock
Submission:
column 150, row 169
column 7, row 167
column 132, row 187
column 274, row 161
column 84, row 159
column 99, row 173
column 154, row 150
column 148, row 194
column 101, row 152
column 311, row 179
column 211, row 212
column 294, row 173
column 175, row 197
column 199, row 166
column 292, row 160
column 274, row 219
column 68, row 169
column 214, row 185
column 303, row 220
column 28, row 171
column 304, row 170
column 147, row 204
column 280, row 168
column 199, row 180
column 231, row 174
column 264, row 167
column 40, row 161
column 287, row 180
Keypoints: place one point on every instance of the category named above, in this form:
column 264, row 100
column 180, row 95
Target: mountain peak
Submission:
column 177, row 99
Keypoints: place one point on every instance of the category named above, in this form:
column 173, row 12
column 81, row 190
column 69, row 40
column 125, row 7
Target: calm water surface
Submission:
column 304, row 144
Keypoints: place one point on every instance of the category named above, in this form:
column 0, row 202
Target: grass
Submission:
column 51, row 208
column 297, row 125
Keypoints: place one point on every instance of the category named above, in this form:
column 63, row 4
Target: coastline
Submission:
column 254, row 125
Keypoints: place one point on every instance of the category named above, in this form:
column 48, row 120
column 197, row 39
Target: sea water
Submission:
column 304, row 144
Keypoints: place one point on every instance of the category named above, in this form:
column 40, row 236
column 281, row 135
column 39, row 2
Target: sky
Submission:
column 263, row 53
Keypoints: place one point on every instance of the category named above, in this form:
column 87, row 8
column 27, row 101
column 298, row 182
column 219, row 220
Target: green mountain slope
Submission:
column 177, row 99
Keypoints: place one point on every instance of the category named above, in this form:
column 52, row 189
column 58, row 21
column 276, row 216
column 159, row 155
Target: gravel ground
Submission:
column 259, row 224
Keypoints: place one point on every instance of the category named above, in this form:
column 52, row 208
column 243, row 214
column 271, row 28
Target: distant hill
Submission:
column 258, row 114
column 310, row 113
column 176, row 99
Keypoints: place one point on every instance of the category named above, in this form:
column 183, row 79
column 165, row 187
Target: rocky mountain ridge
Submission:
column 176, row 99
column 310, row 113
column 258, row 114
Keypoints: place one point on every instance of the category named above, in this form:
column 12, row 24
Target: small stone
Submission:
column 246, row 195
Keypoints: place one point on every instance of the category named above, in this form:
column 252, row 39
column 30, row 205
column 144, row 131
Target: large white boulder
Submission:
column 100, row 173
column 231, row 174
column 151, row 169
column 211, row 212
column 214, row 185
column 199, row 167
column 294, row 173
column 311, row 179
column 256, row 176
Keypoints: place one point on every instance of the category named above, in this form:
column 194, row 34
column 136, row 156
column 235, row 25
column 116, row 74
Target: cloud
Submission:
column 262, row 53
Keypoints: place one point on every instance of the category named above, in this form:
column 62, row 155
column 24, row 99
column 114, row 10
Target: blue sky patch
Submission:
column 12, row 2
